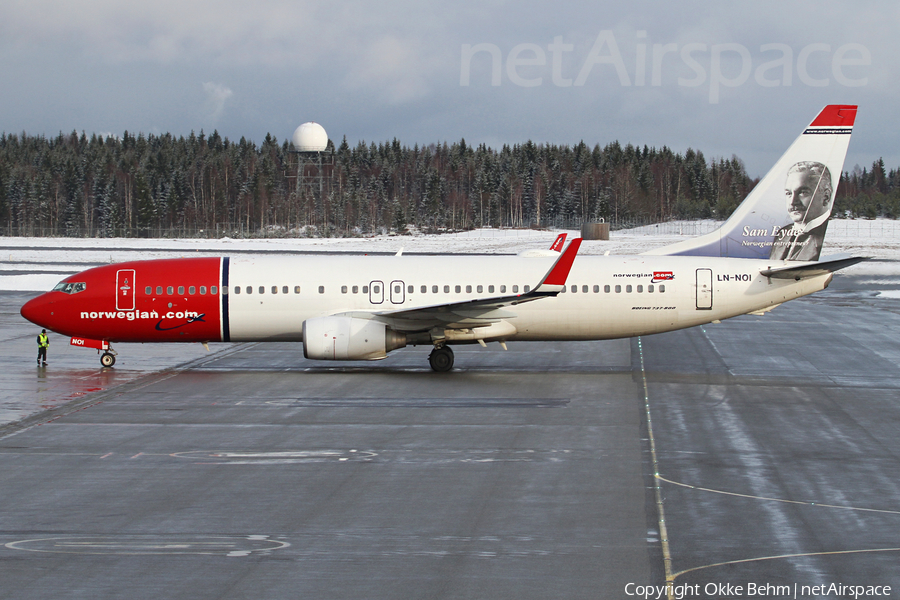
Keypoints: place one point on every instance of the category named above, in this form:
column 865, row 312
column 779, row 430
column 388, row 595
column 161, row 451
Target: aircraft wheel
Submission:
column 107, row 359
column 441, row 359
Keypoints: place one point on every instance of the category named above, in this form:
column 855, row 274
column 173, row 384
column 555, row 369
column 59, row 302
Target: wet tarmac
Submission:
column 72, row 373
column 251, row 472
column 776, row 445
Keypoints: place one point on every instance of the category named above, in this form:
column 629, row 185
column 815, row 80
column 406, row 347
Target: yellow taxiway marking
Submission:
column 801, row 502
column 663, row 532
column 775, row 557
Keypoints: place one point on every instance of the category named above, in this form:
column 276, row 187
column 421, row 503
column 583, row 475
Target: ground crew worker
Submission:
column 43, row 343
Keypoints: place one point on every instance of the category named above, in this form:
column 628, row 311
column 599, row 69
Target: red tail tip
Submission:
column 836, row 115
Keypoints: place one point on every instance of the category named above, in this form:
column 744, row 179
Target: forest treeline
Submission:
column 206, row 185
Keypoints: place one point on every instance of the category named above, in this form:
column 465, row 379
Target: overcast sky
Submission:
column 716, row 76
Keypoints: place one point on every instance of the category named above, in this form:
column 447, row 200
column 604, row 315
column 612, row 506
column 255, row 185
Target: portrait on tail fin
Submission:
column 809, row 194
column 803, row 179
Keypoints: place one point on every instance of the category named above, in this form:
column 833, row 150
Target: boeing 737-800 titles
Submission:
column 363, row 307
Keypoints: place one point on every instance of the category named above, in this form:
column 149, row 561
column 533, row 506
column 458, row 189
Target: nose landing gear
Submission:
column 108, row 358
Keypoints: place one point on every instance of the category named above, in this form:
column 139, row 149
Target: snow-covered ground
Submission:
column 36, row 264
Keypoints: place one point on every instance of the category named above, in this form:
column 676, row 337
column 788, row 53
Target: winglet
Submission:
column 555, row 279
column 558, row 243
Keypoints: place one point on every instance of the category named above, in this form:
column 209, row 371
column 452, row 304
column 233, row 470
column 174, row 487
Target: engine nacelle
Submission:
column 349, row 338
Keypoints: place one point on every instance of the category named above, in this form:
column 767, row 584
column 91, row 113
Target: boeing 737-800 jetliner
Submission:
column 363, row 307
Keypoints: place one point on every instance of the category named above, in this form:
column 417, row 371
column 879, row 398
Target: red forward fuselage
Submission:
column 174, row 300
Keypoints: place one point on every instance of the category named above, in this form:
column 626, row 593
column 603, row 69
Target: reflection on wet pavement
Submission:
column 72, row 372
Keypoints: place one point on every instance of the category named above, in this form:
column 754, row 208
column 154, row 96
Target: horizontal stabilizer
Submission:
column 829, row 264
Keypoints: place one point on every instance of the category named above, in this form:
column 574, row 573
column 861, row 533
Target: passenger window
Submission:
column 606, row 289
column 515, row 289
column 159, row 290
column 574, row 289
column 434, row 289
column 343, row 289
column 409, row 289
column 490, row 289
column 148, row 290
column 597, row 289
column 322, row 289
column 424, row 289
column 584, row 289
column 215, row 290
column 376, row 289
column 662, row 288
column 563, row 290
column 479, row 289
column 296, row 289
column 365, row 289
column 649, row 289
column 397, row 289
column 202, row 290
column 170, row 290
column 355, row 289
column 274, row 289
column 458, row 289
column 640, row 289
column 249, row 289
column 618, row 289
column 447, row 289
column 262, row 289
column 502, row 289
column 181, row 290
column 192, row 290
column 627, row 289
column 527, row 288
column 284, row 289
column 468, row 289
column 237, row 289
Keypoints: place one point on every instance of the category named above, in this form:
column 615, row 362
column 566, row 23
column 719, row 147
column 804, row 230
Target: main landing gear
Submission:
column 441, row 359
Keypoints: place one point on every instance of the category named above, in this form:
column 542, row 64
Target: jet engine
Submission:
column 349, row 338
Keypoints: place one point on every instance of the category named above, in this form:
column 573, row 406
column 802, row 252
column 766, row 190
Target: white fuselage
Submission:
column 606, row 296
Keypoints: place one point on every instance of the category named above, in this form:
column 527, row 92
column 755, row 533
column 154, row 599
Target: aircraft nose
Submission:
column 36, row 310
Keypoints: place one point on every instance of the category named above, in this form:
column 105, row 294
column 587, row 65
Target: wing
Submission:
column 480, row 312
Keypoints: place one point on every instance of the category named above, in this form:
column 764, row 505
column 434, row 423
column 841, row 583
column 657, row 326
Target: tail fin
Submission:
column 786, row 214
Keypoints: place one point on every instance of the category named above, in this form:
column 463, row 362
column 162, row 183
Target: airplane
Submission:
column 364, row 307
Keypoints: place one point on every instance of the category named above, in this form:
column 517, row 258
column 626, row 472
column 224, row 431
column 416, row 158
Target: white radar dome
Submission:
column 310, row 137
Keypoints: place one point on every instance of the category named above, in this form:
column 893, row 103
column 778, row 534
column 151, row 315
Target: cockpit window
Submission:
column 68, row 287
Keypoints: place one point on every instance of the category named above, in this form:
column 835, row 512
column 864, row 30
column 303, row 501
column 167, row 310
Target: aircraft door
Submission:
column 125, row 289
column 376, row 292
column 398, row 295
column 704, row 289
